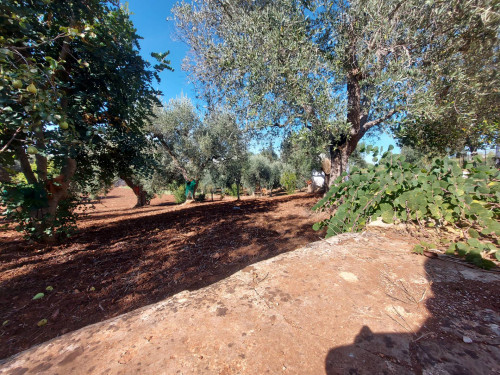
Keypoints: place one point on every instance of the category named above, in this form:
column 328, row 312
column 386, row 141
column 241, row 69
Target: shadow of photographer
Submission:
column 461, row 336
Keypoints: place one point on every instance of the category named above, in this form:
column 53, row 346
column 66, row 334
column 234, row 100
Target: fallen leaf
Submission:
column 38, row 296
column 42, row 322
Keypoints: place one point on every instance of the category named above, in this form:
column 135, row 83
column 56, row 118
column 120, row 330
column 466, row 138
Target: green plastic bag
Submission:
column 190, row 185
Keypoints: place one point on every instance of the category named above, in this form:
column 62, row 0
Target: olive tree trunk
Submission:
column 140, row 193
column 342, row 147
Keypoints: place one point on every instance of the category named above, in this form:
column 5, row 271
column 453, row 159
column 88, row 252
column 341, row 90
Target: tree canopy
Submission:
column 334, row 69
column 73, row 83
column 192, row 144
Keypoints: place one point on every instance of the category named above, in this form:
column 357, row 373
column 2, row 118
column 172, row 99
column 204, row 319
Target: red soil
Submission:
column 125, row 258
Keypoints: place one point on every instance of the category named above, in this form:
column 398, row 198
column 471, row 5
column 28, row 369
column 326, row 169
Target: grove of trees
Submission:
column 78, row 108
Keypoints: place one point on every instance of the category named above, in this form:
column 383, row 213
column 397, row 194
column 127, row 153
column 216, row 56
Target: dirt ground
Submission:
column 358, row 303
column 125, row 258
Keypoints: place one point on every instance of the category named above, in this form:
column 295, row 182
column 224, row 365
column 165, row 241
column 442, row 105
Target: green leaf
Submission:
column 42, row 322
column 462, row 248
column 428, row 245
column 402, row 215
column 473, row 233
column 435, row 211
column 483, row 190
column 476, row 208
column 388, row 216
column 479, row 261
column 38, row 296
column 451, row 249
column 386, row 207
column 487, row 264
column 330, row 232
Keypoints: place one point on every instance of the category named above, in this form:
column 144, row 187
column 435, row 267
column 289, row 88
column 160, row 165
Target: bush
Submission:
column 438, row 197
column 289, row 181
column 200, row 197
column 26, row 204
column 233, row 190
column 179, row 194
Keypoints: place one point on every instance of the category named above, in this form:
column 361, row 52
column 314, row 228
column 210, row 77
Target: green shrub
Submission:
column 261, row 173
column 26, row 205
column 233, row 190
column 438, row 197
column 289, row 181
column 179, row 194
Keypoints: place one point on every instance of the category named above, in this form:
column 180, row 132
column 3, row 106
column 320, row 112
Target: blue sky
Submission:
column 150, row 19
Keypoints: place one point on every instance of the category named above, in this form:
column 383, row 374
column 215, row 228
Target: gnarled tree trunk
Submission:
column 357, row 117
column 140, row 193
column 341, row 149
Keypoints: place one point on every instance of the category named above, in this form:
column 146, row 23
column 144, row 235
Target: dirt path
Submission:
column 127, row 258
column 355, row 304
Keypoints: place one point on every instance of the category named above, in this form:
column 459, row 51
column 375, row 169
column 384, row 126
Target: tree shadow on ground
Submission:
column 461, row 310
column 109, row 270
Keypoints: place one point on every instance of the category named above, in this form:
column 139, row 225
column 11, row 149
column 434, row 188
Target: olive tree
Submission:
column 335, row 69
column 192, row 144
column 460, row 107
column 232, row 156
column 262, row 173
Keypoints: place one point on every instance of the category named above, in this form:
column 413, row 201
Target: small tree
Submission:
column 193, row 145
column 233, row 155
column 303, row 155
column 288, row 179
column 208, row 185
column 262, row 173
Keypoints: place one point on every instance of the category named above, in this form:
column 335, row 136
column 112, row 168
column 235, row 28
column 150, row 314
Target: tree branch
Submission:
column 34, row 45
column 10, row 140
column 371, row 124
column 178, row 165
column 25, row 164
